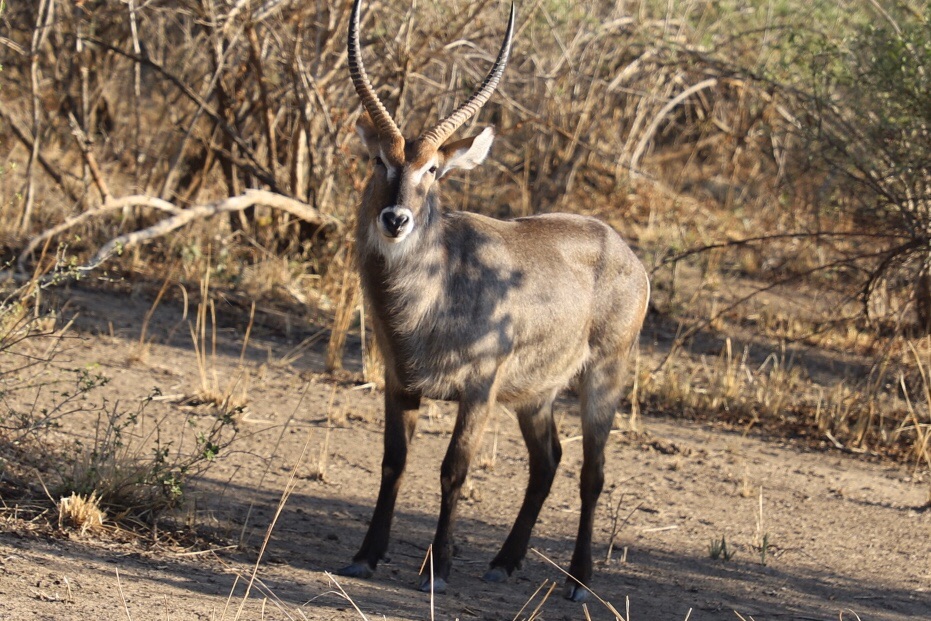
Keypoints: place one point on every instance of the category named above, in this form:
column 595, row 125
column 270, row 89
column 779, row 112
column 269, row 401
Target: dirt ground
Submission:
column 846, row 537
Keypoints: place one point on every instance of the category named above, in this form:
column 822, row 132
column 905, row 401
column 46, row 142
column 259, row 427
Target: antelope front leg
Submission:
column 400, row 421
column 467, row 435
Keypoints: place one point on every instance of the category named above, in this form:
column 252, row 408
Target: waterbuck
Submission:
column 485, row 311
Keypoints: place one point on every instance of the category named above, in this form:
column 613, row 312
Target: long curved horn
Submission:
column 445, row 128
column 387, row 129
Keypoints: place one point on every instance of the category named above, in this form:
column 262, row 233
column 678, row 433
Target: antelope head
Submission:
column 399, row 197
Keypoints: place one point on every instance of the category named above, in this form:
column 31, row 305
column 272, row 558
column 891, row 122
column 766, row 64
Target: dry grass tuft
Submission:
column 229, row 396
column 318, row 470
column 886, row 411
column 81, row 513
column 730, row 383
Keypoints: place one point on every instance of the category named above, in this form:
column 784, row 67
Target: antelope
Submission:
column 484, row 311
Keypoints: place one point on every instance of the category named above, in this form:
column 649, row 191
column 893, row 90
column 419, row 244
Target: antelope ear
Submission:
column 369, row 135
column 466, row 153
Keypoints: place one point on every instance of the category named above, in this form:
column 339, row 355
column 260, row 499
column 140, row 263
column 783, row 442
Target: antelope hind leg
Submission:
column 602, row 389
column 539, row 431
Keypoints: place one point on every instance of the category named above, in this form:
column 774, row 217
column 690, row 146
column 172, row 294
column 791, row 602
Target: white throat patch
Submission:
column 393, row 250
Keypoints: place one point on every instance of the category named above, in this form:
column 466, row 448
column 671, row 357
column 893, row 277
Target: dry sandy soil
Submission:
column 847, row 537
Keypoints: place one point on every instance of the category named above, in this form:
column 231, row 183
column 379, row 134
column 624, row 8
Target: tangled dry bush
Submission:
column 194, row 101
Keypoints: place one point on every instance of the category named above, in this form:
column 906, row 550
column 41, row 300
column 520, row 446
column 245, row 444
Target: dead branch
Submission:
column 236, row 203
column 268, row 115
column 177, row 218
column 654, row 125
column 24, row 136
column 109, row 206
column 762, row 239
column 256, row 168
column 44, row 19
column 84, row 144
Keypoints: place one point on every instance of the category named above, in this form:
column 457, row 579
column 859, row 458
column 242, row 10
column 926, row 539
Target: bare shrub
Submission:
column 130, row 462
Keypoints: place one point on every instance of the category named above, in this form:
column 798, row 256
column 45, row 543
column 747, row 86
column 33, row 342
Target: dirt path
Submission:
column 843, row 534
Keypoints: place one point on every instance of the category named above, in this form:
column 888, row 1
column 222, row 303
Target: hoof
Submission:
column 495, row 574
column 359, row 569
column 439, row 585
column 575, row 592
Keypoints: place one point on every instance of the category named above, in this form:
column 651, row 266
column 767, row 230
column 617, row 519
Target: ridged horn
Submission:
column 445, row 128
column 387, row 129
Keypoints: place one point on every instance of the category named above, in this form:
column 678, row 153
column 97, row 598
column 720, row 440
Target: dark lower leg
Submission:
column 400, row 421
column 591, row 485
column 601, row 393
column 467, row 434
column 539, row 431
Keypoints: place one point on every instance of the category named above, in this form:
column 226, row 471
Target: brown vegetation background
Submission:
column 148, row 142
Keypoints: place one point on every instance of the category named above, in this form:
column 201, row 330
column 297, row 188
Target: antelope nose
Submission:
column 393, row 221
